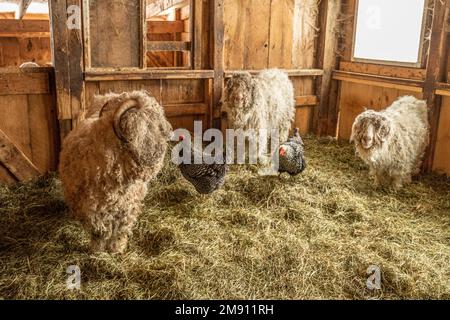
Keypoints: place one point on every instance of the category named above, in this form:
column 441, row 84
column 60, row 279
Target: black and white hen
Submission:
column 291, row 155
column 206, row 178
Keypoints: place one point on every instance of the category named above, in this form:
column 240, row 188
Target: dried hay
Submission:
column 313, row 236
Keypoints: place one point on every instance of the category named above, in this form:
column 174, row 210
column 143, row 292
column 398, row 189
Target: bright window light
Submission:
column 35, row 7
column 389, row 30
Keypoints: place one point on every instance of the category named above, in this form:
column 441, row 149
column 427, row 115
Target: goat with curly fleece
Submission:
column 107, row 161
column 265, row 101
column 393, row 142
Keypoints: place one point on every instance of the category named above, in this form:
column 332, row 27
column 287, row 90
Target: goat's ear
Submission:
column 355, row 129
column 384, row 129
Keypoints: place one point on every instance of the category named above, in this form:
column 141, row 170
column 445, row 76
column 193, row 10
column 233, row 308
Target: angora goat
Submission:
column 393, row 141
column 265, row 101
column 107, row 161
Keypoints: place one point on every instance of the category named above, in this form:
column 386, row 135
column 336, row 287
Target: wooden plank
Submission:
column 165, row 26
column 76, row 61
column 291, row 73
column 143, row 34
column 437, row 59
column 182, row 91
column 281, row 33
column 15, row 160
column 177, row 110
column 14, row 121
column 388, row 71
column 348, row 20
column 444, row 93
column 441, row 161
column 27, row 70
column 43, row 132
column 199, row 46
column 325, row 116
column 99, row 75
column 24, row 28
column 218, row 27
column 379, row 81
column 6, row 177
column 246, row 34
column 308, row 100
column 168, row 45
column 115, row 33
column 58, row 20
column 24, row 83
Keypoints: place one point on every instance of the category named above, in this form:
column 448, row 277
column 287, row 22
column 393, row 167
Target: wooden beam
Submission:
column 218, row 43
column 380, row 70
column 24, row 28
column 326, row 115
column 179, row 110
column 24, row 83
column 197, row 31
column 436, row 69
column 13, row 159
column 108, row 75
column 164, row 27
column 168, row 45
column 308, row 100
column 442, row 92
column 23, row 6
column 379, row 81
column 67, row 51
column 291, row 72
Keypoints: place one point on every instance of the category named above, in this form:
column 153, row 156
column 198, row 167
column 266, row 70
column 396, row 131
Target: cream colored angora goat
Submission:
column 107, row 161
column 392, row 142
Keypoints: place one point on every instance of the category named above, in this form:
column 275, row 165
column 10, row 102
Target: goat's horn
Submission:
column 103, row 110
column 126, row 106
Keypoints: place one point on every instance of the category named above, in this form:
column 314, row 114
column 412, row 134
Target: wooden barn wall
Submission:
column 114, row 33
column 28, row 119
column 184, row 100
column 354, row 97
column 15, row 51
column 262, row 34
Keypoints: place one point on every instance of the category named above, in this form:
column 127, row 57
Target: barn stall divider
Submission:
column 29, row 143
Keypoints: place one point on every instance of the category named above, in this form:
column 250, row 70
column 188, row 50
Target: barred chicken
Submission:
column 206, row 178
column 292, row 160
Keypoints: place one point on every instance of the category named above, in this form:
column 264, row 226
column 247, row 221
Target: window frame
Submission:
column 143, row 42
column 420, row 58
column 191, row 50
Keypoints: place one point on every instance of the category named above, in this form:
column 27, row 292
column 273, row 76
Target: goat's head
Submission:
column 370, row 129
column 138, row 121
column 239, row 93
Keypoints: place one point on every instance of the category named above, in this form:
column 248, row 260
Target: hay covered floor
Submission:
column 313, row 236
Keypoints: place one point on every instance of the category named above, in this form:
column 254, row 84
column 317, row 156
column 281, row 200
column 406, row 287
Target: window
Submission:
column 138, row 34
column 390, row 32
column 168, row 34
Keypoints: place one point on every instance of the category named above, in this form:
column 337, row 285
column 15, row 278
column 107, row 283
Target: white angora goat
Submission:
column 265, row 101
column 106, row 163
column 393, row 141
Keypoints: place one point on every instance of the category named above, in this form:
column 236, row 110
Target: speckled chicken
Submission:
column 206, row 178
column 291, row 154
